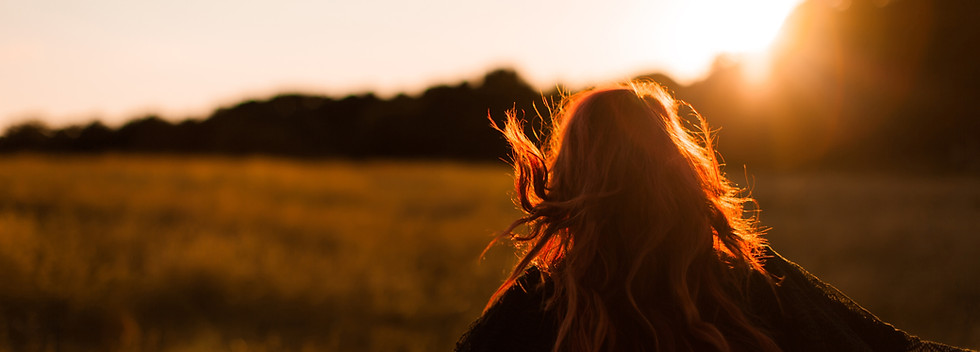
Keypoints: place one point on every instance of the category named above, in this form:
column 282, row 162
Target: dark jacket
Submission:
column 810, row 316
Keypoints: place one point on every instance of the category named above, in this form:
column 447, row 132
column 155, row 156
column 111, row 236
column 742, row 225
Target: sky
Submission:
column 75, row 61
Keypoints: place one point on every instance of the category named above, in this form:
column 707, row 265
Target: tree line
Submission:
column 443, row 122
column 873, row 84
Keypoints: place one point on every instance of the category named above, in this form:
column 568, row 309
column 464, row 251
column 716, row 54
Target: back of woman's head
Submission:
column 632, row 220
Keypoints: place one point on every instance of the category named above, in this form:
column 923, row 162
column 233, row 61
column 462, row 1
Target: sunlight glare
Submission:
column 739, row 26
column 707, row 28
column 743, row 30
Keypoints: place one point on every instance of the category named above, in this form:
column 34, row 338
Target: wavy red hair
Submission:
column 629, row 215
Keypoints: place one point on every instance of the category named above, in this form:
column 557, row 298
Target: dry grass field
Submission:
column 156, row 253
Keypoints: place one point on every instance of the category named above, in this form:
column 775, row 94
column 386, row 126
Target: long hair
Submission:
column 630, row 217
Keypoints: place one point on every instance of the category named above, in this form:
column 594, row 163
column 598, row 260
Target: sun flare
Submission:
column 739, row 26
column 708, row 28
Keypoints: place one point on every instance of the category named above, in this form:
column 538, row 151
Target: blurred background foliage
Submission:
column 862, row 86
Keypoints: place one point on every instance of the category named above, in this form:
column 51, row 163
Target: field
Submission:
column 158, row 253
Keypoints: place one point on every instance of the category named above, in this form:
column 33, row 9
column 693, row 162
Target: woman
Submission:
column 635, row 241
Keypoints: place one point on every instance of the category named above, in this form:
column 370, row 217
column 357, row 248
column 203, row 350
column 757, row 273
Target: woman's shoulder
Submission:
column 807, row 314
column 518, row 321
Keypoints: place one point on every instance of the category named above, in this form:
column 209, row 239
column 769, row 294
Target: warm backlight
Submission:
column 740, row 26
column 704, row 29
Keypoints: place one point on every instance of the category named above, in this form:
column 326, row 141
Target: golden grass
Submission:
column 156, row 253
column 149, row 253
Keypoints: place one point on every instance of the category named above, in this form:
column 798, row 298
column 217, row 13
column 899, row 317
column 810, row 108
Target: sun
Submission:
column 701, row 30
column 746, row 29
column 746, row 26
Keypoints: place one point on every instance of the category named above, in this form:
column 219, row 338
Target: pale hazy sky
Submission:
column 72, row 61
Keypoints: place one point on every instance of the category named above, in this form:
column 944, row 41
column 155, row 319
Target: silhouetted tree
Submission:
column 867, row 85
column 30, row 135
column 147, row 134
column 94, row 137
